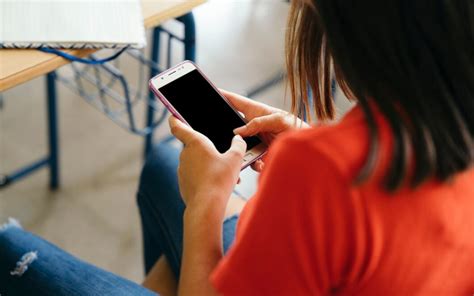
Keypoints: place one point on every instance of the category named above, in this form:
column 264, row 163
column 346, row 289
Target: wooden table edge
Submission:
column 40, row 69
column 55, row 61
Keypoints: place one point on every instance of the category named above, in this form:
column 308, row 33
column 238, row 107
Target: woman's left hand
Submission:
column 206, row 177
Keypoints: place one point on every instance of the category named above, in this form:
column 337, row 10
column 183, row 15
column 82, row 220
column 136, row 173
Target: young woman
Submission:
column 381, row 203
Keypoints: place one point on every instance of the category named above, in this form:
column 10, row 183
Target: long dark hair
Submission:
column 412, row 59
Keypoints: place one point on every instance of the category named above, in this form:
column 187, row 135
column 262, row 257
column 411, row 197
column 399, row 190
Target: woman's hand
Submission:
column 206, row 177
column 262, row 119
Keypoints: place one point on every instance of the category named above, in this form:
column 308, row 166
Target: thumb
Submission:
column 181, row 131
column 237, row 148
column 273, row 123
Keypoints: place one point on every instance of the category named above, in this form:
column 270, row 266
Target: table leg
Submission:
column 155, row 53
column 53, row 139
column 189, row 36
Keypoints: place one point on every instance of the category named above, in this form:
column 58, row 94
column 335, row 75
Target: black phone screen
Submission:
column 205, row 110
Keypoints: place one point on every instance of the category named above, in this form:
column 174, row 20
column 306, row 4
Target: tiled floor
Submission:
column 93, row 215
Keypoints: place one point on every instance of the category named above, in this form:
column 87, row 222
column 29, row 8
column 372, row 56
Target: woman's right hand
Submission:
column 262, row 119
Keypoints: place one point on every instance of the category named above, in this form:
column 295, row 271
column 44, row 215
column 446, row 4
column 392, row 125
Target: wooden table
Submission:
column 21, row 65
column 18, row 66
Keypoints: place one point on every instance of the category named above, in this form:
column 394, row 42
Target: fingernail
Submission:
column 238, row 137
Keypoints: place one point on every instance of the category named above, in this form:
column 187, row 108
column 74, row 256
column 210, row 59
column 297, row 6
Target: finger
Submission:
column 182, row 131
column 241, row 103
column 237, row 148
column 257, row 166
column 269, row 123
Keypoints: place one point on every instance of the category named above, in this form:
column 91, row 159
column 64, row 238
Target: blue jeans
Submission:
column 30, row 265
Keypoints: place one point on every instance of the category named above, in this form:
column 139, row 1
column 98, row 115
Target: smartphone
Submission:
column 189, row 95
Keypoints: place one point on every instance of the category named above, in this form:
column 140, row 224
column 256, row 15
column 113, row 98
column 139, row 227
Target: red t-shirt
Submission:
column 309, row 231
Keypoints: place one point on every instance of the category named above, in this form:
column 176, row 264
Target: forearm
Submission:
column 202, row 250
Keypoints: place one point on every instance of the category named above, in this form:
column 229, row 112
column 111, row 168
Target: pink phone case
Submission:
column 175, row 113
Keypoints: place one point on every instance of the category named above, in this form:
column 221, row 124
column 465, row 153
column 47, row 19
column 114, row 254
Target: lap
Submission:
column 162, row 209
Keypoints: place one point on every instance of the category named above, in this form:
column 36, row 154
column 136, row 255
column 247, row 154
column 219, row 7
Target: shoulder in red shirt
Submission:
column 308, row 230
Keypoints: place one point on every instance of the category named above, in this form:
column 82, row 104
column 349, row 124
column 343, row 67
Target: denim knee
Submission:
column 13, row 248
column 161, row 207
column 158, row 180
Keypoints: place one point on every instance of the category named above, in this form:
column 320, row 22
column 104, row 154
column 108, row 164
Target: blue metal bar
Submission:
column 52, row 131
column 189, row 36
column 155, row 53
column 52, row 159
column 168, row 32
column 168, row 52
column 128, row 103
column 23, row 172
column 168, row 139
column 279, row 77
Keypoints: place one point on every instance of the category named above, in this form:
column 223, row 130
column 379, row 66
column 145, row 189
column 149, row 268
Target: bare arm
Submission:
column 161, row 279
column 206, row 179
column 202, row 250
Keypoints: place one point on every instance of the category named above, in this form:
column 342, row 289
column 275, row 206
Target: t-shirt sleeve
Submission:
column 294, row 237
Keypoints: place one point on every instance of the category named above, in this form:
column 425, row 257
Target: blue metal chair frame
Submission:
column 52, row 159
